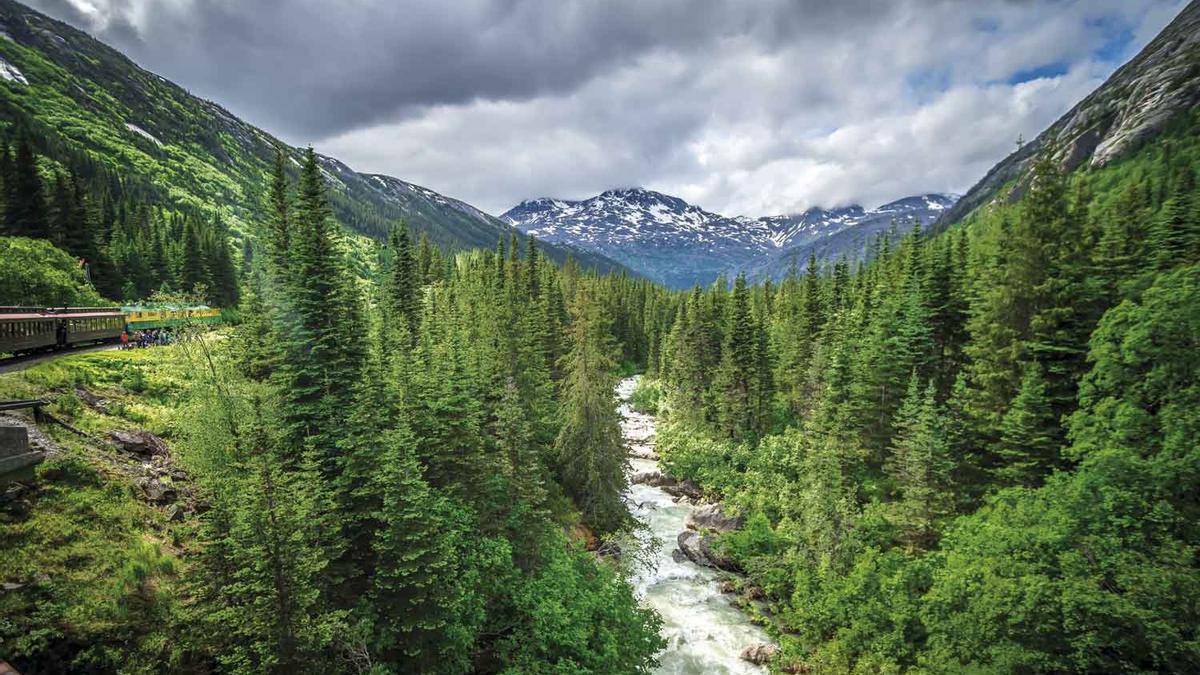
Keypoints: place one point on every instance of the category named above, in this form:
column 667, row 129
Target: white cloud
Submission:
column 743, row 108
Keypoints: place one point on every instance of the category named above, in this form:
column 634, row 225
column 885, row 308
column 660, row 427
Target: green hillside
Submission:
column 135, row 139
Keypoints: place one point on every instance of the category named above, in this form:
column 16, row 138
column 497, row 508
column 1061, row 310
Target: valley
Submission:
column 369, row 428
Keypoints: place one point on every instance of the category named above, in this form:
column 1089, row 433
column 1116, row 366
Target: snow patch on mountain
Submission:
column 680, row 244
column 11, row 73
column 143, row 133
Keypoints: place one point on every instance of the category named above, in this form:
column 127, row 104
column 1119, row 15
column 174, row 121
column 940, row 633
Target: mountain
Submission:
column 87, row 107
column 679, row 244
column 854, row 240
column 1137, row 102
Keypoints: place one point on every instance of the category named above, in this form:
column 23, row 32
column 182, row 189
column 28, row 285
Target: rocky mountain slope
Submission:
column 1137, row 102
column 854, row 241
column 680, row 244
column 79, row 98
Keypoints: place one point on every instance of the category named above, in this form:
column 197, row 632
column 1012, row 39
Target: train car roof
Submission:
column 27, row 315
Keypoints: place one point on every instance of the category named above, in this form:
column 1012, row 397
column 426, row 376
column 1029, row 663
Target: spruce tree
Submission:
column 321, row 329
column 736, row 388
column 1030, row 434
column 921, row 467
column 278, row 230
column 420, row 596
column 191, row 274
column 591, row 457
column 403, row 283
column 25, row 212
column 515, row 439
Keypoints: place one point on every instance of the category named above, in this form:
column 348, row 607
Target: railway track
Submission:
column 16, row 363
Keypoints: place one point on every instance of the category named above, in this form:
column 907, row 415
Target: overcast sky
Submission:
column 745, row 107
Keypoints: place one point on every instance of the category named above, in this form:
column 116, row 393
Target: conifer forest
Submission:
column 341, row 423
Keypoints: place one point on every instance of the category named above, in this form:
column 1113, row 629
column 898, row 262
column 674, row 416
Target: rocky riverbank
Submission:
column 705, row 631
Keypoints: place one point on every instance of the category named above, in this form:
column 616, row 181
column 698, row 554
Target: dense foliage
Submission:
column 125, row 248
column 389, row 469
column 978, row 451
column 34, row 272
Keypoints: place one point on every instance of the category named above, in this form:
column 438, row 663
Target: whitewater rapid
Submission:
column 705, row 633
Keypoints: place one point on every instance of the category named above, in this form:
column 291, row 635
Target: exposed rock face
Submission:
column 156, row 491
column 712, row 517
column 760, row 653
column 1138, row 101
column 689, row 544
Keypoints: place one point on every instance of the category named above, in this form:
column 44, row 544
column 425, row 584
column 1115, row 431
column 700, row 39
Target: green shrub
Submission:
column 646, row 396
column 35, row 272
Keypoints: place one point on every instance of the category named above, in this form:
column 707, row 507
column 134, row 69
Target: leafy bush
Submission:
column 646, row 396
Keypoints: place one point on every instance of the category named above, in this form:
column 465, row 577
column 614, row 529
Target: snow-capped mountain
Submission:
column 680, row 244
column 854, row 239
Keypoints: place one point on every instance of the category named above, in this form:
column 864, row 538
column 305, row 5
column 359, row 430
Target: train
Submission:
column 24, row 330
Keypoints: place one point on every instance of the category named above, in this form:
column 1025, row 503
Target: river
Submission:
column 705, row 633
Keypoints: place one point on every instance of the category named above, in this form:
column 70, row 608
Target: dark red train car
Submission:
column 30, row 329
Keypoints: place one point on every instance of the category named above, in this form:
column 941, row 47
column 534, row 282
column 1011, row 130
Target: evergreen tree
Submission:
column 1174, row 236
column 25, row 210
column 191, row 274
column 736, row 388
column 1029, row 433
column 278, row 230
column 403, row 282
column 921, row 467
column 422, row 605
column 323, row 349
column 590, row 454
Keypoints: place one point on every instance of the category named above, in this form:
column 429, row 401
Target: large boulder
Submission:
column 688, row 542
column 712, row 517
column 714, row 558
column 139, row 442
column 684, row 488
column 698, row 548
column 759, row 654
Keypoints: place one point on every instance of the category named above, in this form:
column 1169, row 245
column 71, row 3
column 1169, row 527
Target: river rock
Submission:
column 684, row 488
column 714, row 558
column 712, row 517
column 688, row 542
column 139, row 442
column 698, row 548
column 643, row 452
column 653, row 479
column 759, row 654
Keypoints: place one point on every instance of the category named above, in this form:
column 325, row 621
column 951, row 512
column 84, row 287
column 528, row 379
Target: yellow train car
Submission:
column 145, row 317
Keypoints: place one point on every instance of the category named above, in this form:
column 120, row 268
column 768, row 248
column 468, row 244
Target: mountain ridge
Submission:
column 680, row 244
column 89, row 107
column 1134, row 104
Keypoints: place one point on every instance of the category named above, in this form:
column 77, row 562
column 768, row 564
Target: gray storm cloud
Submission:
column 743, row 107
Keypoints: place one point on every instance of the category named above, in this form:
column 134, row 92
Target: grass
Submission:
column 90, row 566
